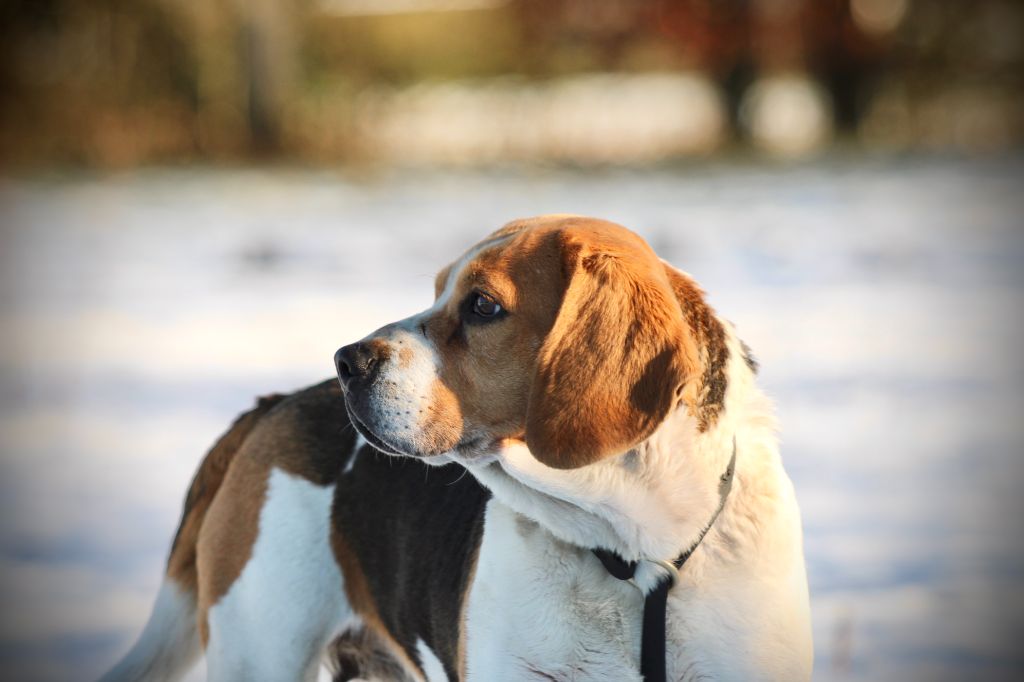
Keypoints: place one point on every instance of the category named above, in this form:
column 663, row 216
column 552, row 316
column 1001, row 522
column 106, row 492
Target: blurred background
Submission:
column 201, row 200
column 116, row 83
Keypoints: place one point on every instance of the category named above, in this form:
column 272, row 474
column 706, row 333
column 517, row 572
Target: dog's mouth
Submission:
column 371, row 437
column 472, row 450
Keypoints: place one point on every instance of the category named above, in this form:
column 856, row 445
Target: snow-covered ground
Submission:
column 140, row 313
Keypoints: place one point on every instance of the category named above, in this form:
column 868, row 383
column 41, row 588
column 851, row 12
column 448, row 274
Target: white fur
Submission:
column 360, row 442
column 432, row 668
column 540, row 606
column 396, row 402
column 288, row 603
column 168, row 645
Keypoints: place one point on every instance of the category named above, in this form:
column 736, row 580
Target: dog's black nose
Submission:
column 354, row 362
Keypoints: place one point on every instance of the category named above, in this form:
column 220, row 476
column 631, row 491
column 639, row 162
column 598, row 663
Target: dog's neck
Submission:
column 652, row 502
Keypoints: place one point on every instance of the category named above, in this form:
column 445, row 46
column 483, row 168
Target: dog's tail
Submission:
column 169, row 644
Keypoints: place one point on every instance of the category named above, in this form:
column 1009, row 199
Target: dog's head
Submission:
column 566, row 332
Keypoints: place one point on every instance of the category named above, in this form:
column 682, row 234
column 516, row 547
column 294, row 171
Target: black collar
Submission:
column 652, row 643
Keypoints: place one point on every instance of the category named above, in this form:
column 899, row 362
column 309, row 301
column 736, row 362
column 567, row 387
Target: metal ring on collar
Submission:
column 673, row 572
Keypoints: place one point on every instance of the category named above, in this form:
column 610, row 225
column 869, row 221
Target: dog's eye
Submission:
column 485, row 307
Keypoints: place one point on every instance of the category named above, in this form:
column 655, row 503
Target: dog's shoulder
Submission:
column 305, row 433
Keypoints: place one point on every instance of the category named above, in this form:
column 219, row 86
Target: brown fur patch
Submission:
column 181, row 563
column 228, row 534
column 486, row 366
column 522, row 224
column 380, row 349
column 442, row 421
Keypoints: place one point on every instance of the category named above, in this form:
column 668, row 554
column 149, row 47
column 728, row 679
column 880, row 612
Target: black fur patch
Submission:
column 748, row 357
column 709, row 335
column 416, row 531
column 714, row 380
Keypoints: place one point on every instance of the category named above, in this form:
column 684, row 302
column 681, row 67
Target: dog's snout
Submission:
column 355, row 362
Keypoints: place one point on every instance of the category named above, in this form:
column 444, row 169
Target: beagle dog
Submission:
column 434, row 513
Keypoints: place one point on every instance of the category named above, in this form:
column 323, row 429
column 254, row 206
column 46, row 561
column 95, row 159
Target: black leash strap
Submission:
column 652, row 641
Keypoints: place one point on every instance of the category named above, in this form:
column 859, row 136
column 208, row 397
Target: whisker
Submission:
column 464, row 472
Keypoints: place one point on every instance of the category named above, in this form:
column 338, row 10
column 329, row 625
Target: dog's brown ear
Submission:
column 617, row 358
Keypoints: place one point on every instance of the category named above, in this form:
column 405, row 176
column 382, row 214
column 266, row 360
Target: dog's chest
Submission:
column 541, row 609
